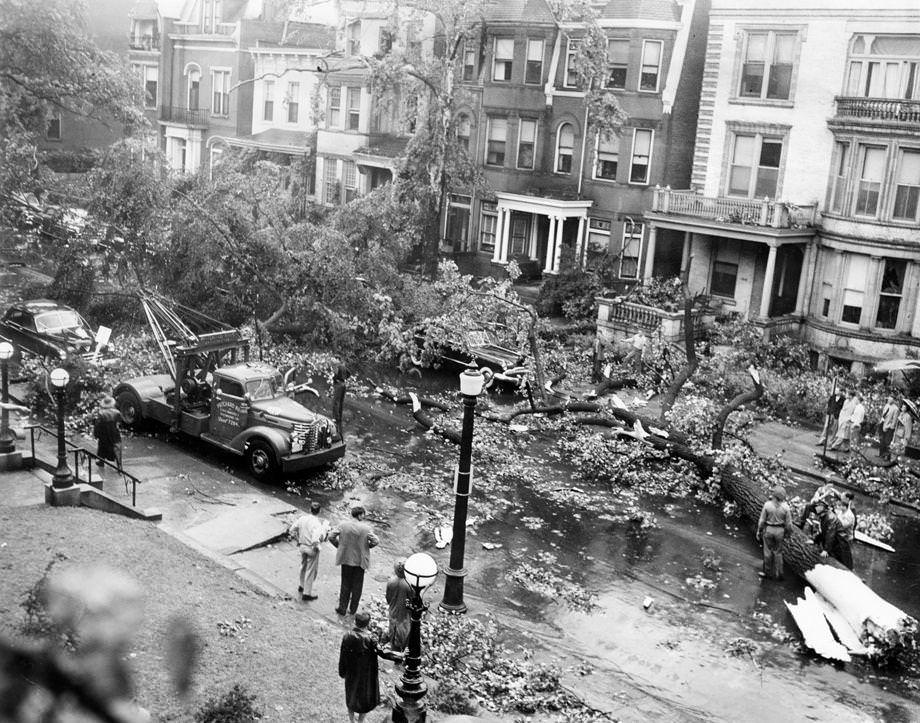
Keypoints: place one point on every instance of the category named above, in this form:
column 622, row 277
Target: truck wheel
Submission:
column 260, row 458
column 130, row 407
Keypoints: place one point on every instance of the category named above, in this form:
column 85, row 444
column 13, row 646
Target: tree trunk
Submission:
column 688, row 369
column 733, row 404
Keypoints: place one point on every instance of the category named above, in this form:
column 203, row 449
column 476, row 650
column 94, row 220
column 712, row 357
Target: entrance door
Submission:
column 229, row 408
column 520, row 234
column 786, row 280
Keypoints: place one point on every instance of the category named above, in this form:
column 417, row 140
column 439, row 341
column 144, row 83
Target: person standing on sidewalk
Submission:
column 397, row 594
column 309, row 532
column 886, row 425
column 774, row 524
column 857, row 417
column 105, row 430
column 843, row 420
column 903, row 429
column 846, row 515
column 338, row 398
column 353, row 540
column 834, row 405
column 358, row 666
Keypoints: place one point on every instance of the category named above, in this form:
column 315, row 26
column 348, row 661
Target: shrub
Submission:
column 234, row 706
column 571, row 292
column 449, row 696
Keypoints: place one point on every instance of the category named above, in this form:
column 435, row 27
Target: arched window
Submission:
column 565, row 143
column 193, row 85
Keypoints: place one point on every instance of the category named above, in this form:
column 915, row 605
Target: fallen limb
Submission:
column 397, row 398
column 735, row 403
column 427, row 423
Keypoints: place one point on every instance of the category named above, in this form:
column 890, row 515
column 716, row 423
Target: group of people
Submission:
column 360, row 648
column 828, row 519
column 845, row 420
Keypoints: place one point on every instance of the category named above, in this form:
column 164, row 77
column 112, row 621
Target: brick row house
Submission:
column 802, row 213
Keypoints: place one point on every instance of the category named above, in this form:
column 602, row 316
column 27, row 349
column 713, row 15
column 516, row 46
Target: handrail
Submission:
column 78, row 452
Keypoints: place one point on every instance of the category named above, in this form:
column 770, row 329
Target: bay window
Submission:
column 841, row 166
column 884, row 66
column 854, row 288
column 907, row 186
column 891, row 291
column 871, row 175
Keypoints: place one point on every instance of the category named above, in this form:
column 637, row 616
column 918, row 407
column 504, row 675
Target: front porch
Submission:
column 533, row 230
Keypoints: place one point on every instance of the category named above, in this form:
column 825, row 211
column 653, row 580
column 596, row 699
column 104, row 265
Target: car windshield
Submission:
column 259, row 389
column 53, row 321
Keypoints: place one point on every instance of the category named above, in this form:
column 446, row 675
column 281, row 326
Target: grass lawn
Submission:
column 285, row 656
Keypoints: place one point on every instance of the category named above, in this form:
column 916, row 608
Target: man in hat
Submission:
column 832, row 537
column 353, row 540
column 397, row 593
column 105, row 430
column 774, row 524
column 309, row 531
column 358, row 666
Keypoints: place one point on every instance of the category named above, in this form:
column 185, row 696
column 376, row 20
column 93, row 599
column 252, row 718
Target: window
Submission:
column 53, row 131
column 617, row 63
column 884, row 66
column 268, row 102
column 210, row 15
column 907, row 186
column 230, row 387
column 293, row 102
column 651, row 65
column 831, row 264
column 151, row 78
column 457, row 228
column 354, row 38
column 527, row 142
column 607, row 157
column 335, row 107
column 350, row 181
column 469, row 62
column 571, row 71
column 354, row 108
column 533, row 72
column 766, row 71
column 331, row 180
column 487, row 226
column 565, row 145
column 754, row 171
column 854, row 288
column 504, row 58
column 871, row 173
column 193, row 81
column 464, row 129
column 842, row 151
column 498, row 132
column 384, row 41
column 726, row 257
column 631, row 249
column 641, row 156
column 598, row 240
column 889, row 299
column 220, row 92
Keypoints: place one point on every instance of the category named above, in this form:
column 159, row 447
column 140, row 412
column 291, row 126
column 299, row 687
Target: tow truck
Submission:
column 215, row 393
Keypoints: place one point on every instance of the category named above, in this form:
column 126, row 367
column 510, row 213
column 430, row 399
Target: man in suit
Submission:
column 353, row 540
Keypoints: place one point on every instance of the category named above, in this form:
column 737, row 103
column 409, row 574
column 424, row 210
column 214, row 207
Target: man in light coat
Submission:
column 353, row 540
column 308, row 532
column 843, row 421
column 857, row 417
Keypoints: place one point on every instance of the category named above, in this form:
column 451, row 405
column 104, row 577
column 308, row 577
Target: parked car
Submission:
column 51, row 330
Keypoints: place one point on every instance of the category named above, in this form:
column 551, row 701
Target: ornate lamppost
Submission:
column 9, row 458
column 471, row 383
column 63, row 477
column 420, row 571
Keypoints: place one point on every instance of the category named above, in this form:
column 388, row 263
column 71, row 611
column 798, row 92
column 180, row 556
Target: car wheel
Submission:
column 130, row 407
column 260, row 459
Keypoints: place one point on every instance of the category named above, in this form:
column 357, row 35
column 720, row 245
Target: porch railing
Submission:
column 615, row 314
column 745, row 211
column 186, row 116
column 882, row 109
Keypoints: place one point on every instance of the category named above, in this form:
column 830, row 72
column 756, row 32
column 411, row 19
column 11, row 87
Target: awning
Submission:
column 546, row 203
column 274, row 139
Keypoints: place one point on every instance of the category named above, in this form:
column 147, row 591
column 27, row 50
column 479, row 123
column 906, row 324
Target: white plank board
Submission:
column 866, row 540
column 842, row 629
column 816, row 631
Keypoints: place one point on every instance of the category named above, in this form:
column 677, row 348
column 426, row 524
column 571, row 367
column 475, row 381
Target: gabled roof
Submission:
column 641, row 9
column 526, row 12
column 308, row 35
column 144, row 9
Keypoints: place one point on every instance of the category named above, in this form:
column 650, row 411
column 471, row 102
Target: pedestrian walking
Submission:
column 107, row 434
column 309, row 531
column 338, row 398
column 353, row 540
column 774, row 524
column 358, row 666
column 843, row 421
column 398, row 593
column 857, row 418
column 832, row 411
column 903, row 429
column 886, row 426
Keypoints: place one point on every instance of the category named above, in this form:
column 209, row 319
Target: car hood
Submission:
column 77, row 338
column 286, row 408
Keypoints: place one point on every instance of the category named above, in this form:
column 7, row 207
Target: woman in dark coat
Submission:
column 358, row 666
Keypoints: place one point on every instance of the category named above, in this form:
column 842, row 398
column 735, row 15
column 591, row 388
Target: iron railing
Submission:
column 900, row 110
column 144, row 42
column 81, row 454
column 186, row 116
column 745, row 211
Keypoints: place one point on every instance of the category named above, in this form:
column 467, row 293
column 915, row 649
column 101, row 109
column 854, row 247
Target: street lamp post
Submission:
column 63, row 477
column 471, row 382
column 420, row 571
column 7, row 438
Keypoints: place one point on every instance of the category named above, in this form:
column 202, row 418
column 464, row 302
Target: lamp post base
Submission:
column 10, row 461
column 453, row 591
column 62, row 497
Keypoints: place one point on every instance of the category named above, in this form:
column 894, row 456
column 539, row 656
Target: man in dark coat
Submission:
column 358, row 666
column 398, row 592
column 353, row 540
column 105, row 430
column 832, row 537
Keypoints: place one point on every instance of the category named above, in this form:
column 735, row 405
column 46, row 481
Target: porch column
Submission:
column 805, row 279
column 532, row 245
column 557, row 244
column 650, row 252
column 497, row 251
column 767, row 290
column 506, row 233
column 580, row 245
column 550, row 246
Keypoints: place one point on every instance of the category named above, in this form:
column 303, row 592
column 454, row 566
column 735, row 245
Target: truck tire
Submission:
column 131, row 410
column 261, row 461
